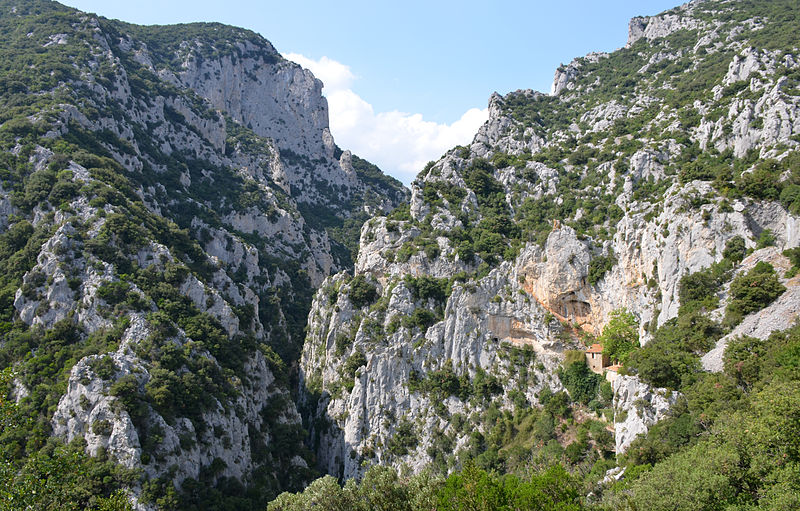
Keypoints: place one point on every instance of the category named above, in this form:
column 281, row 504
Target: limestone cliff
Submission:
column 641, row 168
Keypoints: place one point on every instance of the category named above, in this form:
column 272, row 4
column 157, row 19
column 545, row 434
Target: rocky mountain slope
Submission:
column 649, row 187
column 171, row 201
column 171, row 197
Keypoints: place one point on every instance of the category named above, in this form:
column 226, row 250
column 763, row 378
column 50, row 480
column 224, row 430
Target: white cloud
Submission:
column 398, row 142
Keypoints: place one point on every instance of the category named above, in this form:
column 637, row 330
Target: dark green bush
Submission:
column 479, row 176
column 425, row 287
column 735, row 249
column 620, row 335
column 763, row 182
column 699, row 289
column 752, row 291
column 351, row 365
column 556, row 404
column 580, row 381
column 766, row 239
column 421, row 318
column 362, row 292
column 104, row 367
column 485, row 385
column 599, row 266
column 744, row 359
column 114, row 292
column 794, row 256
column 404, row 440
column 663, row 364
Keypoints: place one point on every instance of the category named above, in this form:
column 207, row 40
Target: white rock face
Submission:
column 283, row 102
column 87, row 411
column 481, row 325
column 564, row 76
column 654, row 27
column 637, row 406
column 276, row 98
column 747, row 63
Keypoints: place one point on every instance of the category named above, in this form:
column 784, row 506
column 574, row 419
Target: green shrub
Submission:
column 580, row 381
column 405, row 252
column 444, row 382
column 362, row 292
column 351, row 365
column 699, row 290
column 599, row 266
column 692, row 331
column 663, row 364
column 752, row 291
column 104, row 367
column 425, row 287
column 18, row 126
column 404, row 439
column 485, row 385
column 794, row 256
column 113, row 292
column 126, row 390
column 342, row 342
column 735, row 249
column 573, row 357
column 421, row 318
column 744, row 359
column 672, row 359
column 620, row 335
column 766, row 239
column 763, row 182
column 102, row 428
column 401, row 213
column 790, row 198
column 479, row 176
column 556, row 404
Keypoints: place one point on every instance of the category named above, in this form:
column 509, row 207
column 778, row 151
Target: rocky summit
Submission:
column 205, row 303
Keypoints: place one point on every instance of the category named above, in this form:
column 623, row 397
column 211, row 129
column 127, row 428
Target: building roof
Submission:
column 615, row 368
column 595, row 348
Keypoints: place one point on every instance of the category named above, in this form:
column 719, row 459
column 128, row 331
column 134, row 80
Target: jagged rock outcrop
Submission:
column 564, row 208
column 488, row 328
column 656, row 27
column 637, row 406
column 275, row 98
column 88, row 411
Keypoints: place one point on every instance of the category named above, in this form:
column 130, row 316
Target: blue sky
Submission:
column 408, row 80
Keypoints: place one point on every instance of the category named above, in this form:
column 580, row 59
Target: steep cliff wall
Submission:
column 640, row 169
column 159, row 249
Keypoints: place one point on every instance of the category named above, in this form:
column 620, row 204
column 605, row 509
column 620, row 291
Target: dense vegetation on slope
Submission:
column 57, row 476
column 473, row 488
column 732, row 442
column 156, row 279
